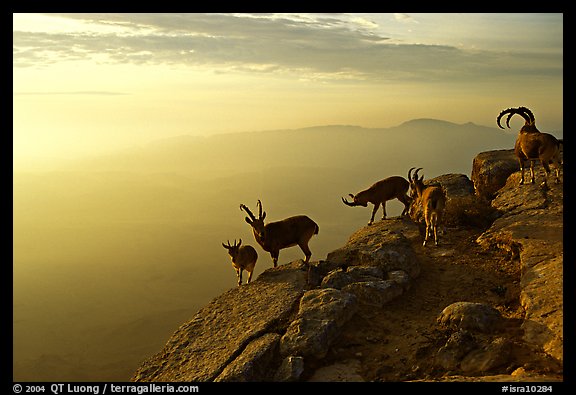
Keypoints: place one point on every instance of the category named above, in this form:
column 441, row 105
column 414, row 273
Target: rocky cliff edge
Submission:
column 295, row 324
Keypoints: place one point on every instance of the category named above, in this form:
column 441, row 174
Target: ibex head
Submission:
column 233, row 249
column 415, row 183
column 355, row 201
column 257, row 224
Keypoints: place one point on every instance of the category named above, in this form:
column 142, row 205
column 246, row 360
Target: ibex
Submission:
column 433, row 201
column 274, row 236
column 394, row 187
column 532, row 144
column 243, row 258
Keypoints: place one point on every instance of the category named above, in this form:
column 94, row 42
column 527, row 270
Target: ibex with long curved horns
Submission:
column 243, row 258
column 274, row 236
column 394, row 187
column 433, row 200
column 532, row 144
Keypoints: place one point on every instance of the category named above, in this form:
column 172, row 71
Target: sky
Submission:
column 90, row 83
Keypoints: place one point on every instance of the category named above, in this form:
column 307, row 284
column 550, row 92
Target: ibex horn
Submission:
column 244, row 208
column 416, row 173
column 346, row 202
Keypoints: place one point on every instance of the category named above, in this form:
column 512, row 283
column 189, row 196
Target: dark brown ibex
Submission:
column 433, row 201
column 274, row 236
column 533, row 145
column 394, row 187
column 243, row 258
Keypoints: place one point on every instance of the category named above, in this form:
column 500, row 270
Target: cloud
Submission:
column 404, row 18
column 324, row 46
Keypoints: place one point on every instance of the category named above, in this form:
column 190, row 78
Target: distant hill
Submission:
column 436, row 145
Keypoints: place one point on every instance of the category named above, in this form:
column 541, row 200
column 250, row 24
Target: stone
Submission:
column 401, row 278
column 458, row 345
column 339, row 278
column 491, row 169
column 253, row 364
column 381, row 244
column 471, row 316
column 344, row 371
column 375, row 293
column 455, row 185
column 321, row 314
column 490, row 356
column 290, row 369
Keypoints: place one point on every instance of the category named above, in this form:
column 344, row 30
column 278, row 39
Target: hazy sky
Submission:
column 90, row 82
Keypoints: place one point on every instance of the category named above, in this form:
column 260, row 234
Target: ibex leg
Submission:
column 376, row 207
column 275, row 257
column 406, row 200
column 427, row 233
column 521, row 171
column 306, row 250
column 546, row 167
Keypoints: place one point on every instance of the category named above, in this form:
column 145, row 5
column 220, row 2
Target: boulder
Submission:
column 253, row 364
column 290, row 369
column 455, row 185
column 491, row 169
column 458, row 345
column 374, row 293
column 382, row 244
column 339, row 278
column 488, row 357
column 321, row 314
column 471, row 356
column 401, row 278
column 471, row 316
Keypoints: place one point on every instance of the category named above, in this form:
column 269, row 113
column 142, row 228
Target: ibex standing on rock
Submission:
column 532, row 144
column 278, row 235
column 394, row 187
column 433, row 201
column 243, row 258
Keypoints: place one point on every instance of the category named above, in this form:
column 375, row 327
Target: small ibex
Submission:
column 243, row 258
column 274, row 236
column 433, row 201
column 394, row 187
column 533, row 145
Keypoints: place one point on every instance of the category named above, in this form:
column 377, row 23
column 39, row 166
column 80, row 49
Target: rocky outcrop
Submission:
column 289, row 317
column 528, row 225
column 531, row 230
column 243, row 324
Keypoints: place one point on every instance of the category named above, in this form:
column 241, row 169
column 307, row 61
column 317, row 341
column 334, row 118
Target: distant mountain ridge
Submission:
column 435, row 144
